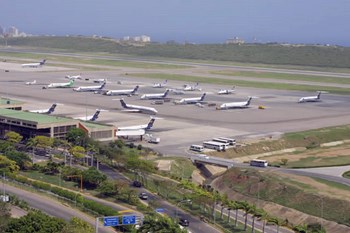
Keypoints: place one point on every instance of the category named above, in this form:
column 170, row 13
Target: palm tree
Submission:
column 262, row 216
column 32, row 143
column 246, row 207
column 224, row 203
column 254, row 212
column 235, row 205
column 277, row 221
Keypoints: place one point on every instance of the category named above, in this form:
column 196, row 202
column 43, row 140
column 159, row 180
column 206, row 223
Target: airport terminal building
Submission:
column 30, row 124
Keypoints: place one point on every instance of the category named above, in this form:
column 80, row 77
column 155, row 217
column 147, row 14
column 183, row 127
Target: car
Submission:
column 143, row 196
column 184, row 222
column 136, row 183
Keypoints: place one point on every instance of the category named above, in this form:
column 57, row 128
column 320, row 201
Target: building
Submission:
column 11, row 104
column 235, row 40
column 30, row 124
column 13, row 32
column 2, row 31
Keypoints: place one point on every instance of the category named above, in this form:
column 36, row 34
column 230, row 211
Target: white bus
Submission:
column 229, row 140
column 223, row 141
column 214, row 145
column 197, row 148
column 258, row 163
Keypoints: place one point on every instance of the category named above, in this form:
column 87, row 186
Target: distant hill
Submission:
column 319, row 56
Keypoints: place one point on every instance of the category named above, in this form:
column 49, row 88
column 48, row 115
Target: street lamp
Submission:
column 179, row 203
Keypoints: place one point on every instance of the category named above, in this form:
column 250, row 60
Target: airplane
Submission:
column 244, row 104
column 31, row 83
column 160, row 85
column 34, row 65
column 315, row 98
column 194, row 100
column 155, row 96
column 91, row 117
column 177, row 91
column 138, row 127
column 226, row 91
column 60, row 85
column 136, row 108
column 45, row 111
column 128, row 92
column 90, row 88
column 191, row 88
column 73, row 77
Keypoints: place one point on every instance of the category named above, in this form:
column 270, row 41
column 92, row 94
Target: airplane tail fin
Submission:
column 165, row 81
column 166, row 93
column 52, row 109
column 95, row 116
column 42, row 62
column 123, row 103
column 71, row 82
column 319, row 95
column 203, row 96
column 248, row 101
column 135, row 89
column 103, row 85
column 150, row 124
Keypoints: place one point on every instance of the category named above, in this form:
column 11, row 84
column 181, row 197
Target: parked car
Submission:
column 143, row 196
column 184, row 222
column 136, row 183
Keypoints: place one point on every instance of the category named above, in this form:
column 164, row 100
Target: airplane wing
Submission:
column 131, row 110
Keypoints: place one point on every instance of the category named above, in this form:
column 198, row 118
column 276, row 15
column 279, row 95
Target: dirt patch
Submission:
column 164, row 165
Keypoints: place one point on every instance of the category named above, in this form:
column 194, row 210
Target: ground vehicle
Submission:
column 198, row 148
column 143, row 196
column 184, row 222
column 223, row 141
column 136, row 183
column 258, row 163
column 214, row 145
column 231, row 141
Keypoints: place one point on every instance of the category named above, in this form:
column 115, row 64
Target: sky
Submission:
column 197, row 21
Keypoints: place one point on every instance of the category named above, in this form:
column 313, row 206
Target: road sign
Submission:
column 110, row 221
column 129, row 219
column 160, row 210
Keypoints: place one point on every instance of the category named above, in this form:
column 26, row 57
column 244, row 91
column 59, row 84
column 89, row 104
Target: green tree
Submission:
column 277, row 221
column 77, row 137
column 107, row 188
column 8, row 165
column 246, row 207
column 43, row 141
column 5, row 215
column 160, row 225
column 78, row 152
column 92, row 177
column 77, row 225
column 13, row 137
column 21, row 159
column 35, row 222
column 262, row 216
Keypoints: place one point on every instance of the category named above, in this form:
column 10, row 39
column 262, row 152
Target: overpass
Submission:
column 205, row 159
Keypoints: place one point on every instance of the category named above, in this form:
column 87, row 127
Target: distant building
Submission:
column 13, row 32
column 235, row 40
column 143, row 39
column 1, row 31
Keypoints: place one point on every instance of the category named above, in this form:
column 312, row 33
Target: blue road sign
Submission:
column 110, row 221
column 160, row 210
column 129, row 219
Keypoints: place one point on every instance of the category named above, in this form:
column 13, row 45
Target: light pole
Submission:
column 178, row 204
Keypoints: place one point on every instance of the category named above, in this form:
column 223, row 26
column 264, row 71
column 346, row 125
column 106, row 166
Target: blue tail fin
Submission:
column 150, row 124
column 202, row 98
column 135, row 89
column 95, row 116
column 166, row 93
column 42, row 62
column 52, row 109
column 123, row 103
column 319, row 95
column 248, row 101
column 103, row 85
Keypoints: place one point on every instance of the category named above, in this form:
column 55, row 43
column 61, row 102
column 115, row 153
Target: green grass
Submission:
column 243, row 83
column 333, row 184
column 320, row 162
column 347, row 174
column 180, row 167
column 283, row 76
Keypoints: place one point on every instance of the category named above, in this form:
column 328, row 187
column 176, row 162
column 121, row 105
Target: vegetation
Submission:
column 321, row 56
column 347, row 174
column 160, row 224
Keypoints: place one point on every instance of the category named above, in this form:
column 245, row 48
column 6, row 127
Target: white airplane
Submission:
column 243, row 104
column 160, row 85
column 45, row 111
column 188, row 87
column 90, row 88
column 31, row 83
column 136, row 108
column 194, row 100
column 138, row 127
column 315, row 98
column 91, row 117
column 73, row 77
column 177, row 91
column 34, row 65
column 155, row 96
column 60, row 85
column 128, row 92
column 226, row 91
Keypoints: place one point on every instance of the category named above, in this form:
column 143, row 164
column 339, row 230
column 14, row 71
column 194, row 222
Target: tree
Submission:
column 277, row 221
column 21, row 159
column 5, row 215
column 107, row 188
column 43, row 141
column 13, row 137
column 77, row 137
column 263, row 216
column 78, row 152
column 246, row 207
column 8, row 165
column 76, row 225
column 92, row 177
column 35, row 222
column 160, row 225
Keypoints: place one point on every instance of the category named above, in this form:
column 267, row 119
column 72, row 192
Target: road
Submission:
column 52, row 207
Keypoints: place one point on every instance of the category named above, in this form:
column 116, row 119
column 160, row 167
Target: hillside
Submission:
column 317, row 56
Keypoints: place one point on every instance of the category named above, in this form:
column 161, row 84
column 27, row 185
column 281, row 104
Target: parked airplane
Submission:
column 138, row 127
column 188, row 87
column 34, row 65
column 226, row 91
column 315, row 98
column 155, row 96
column 91, row 117
column 60, row 85
column 177, row 91
column 160, row 85
column 31, row 83
column 244, row 104
column 73, row 77
column 128, row 92
column 45, row 111
column 191, row 100
column 90, row 88
column 136, row 108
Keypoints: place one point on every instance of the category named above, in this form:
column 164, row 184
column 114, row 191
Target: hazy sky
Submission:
column 199, row 21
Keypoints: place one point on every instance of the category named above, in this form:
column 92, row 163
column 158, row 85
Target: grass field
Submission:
column 243, row 83
column 347, row 174
column 320, row 162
